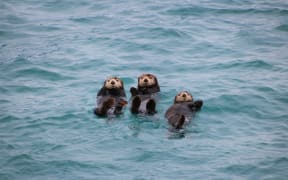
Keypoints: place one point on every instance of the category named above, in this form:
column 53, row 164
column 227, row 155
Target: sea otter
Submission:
column 144, row 97
column 183, row 109
column 111, row 98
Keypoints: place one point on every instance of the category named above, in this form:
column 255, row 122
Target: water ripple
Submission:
column 238, row 64
column 198, row 11
column 41, row 73
column 55, row 55
column 96, row 20
column 283, row 27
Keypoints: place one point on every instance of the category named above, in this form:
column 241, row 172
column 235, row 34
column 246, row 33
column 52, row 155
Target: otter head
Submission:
column 183, row 96
column 113, row 83
column 147, row 80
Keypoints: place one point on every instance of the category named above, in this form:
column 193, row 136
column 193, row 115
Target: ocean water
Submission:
column 55, row 55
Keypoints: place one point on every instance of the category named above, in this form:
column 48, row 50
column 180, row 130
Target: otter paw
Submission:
column 107, row 105
column 122, row 103
column 136, row 104
column 180, row 122
column 133, row 91
column 151, row 107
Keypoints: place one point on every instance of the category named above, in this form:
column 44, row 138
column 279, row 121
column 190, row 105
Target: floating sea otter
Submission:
column 111, row 98
column 145, row 96
column 181, row 112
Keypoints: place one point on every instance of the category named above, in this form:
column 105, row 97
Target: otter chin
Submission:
column 111, row 98
column 182, row 111
column 145, row 96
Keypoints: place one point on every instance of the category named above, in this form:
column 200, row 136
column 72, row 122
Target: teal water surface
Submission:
column 55, row 55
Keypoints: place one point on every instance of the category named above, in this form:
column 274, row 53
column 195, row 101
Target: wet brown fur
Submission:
column 142, row 93
column 179, row 112
column 108, row 98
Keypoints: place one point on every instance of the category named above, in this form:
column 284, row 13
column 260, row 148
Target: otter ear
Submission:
column 156, row 80
column 175, row 99
column 104, row 83
column 156, row 83
column 138, row 82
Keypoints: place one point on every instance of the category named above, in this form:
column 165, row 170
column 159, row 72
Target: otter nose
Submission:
column 184, row 95
column 112, row 82
column 145, row 80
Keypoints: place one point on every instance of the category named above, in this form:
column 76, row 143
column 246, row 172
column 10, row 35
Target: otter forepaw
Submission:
column 107, row 105
column 136, row 104
column 180, row 122
column 122, row 103
column 133, row 91
column 151, row 106
column 198, row 105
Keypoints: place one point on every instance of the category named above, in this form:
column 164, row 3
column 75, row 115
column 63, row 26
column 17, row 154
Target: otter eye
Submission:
column 142, row 78
column 117, row 80
column 150, row 77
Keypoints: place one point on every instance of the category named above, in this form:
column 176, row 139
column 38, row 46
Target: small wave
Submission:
column 258, row 64
column 45, row 74
column 3, row 46
column 8, row 118
column 64, row 117
column 21, row 61
column 240, row 169
column 283, row 27
column 24, row 89
column 281, row 160
column 12, row 35
column 63, row 5
column 7, row 145
column 28, row 126
column 44, row 28
column 266, row 89
column 168, row 32
column 70, row 163
column 95, row 20
column 197, row 11
column 157, row 32
column 13, row 19
column 2, row 101
column 3, row 90
column 14, row 63
column 20, row 159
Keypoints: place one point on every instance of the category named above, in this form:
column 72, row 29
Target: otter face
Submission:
column 183, row 96
column 147, row 80
column 113, row 83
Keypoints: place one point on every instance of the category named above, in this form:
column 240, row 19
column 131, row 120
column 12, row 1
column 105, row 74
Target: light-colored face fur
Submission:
column 113, row 82
column 183, row 96
column 146, row 80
